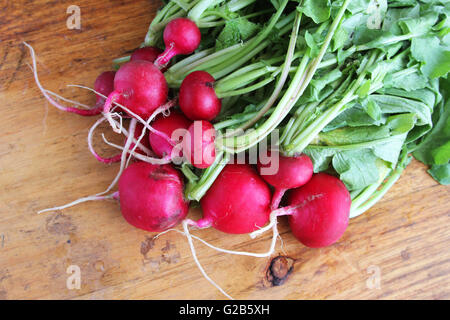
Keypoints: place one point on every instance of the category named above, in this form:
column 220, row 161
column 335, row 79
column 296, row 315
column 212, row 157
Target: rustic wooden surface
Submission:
column 44, row 162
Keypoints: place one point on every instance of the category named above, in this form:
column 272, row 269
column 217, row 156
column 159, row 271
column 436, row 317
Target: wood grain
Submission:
column 44, row 162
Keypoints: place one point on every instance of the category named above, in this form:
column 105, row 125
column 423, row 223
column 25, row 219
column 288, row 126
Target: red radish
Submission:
column 104, row 84
column 198, row 100
column 167, row 125
column 151, row 196
column 291, row 172
column 146, row 53
column 140, row 87
column 238, row 201
column 181, row 36
column 198, row 144
column 323, row 211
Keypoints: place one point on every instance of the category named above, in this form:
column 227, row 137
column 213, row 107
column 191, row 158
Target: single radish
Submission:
column 238, row 201
column 197, row 99
column 168, row 125
column 181, row 36
column 318, row 211
column 151, row 196
column 140, row 87
column 104, row 84
column 146, row 53
column 198, row 144
column 285, row 173
column 324, row 211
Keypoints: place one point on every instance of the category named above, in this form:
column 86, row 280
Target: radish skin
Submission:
column 149, row 54
column 318, row 211
column 139, row 86
column 198, row 100
column 293, row 172
column 324, row 213
column 198, row 144
column 168, row 125
column 238, row 201
column 151, row 196
column 181, row 36
column 104, row 84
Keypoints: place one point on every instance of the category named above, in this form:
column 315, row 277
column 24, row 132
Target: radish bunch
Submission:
column 174, row 105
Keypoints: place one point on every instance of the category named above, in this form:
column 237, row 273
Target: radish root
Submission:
column 89, row 112
column 114, row 195
column 185, row 224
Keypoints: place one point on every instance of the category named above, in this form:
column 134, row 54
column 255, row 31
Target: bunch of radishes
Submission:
column 239, row 201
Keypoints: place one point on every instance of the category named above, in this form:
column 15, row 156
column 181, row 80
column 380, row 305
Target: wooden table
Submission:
column 403, row 241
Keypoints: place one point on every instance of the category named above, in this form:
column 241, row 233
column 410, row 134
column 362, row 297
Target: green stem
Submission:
column 358, row 210
column 232, row 122
column 195, row 191
column 251, row 48
column 301, row 79
column 284, row 74
column 390, row 41
column 196, row 12
column 248, row 89
column 305, row 137
column 192, row 178
column 241, row 143
column 215, row 23
column 223, row 86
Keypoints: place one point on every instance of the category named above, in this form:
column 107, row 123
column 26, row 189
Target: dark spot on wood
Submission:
column 147, row 245
column 322, row 269
column 170, row 258
column 18, row 66
column 60, row 224
column 405, row 255
column 279, row 270
column 169, row 246
column 4, row 274
column 4, row 57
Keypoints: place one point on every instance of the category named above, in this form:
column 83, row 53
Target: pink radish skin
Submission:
column 181, row 36
column 323, row 212
column 140, row 87
column 238, row 201
column 167, row 125
column 104, row 84
column 146, row 53
column 198, row 100
column 151, row 196
column 293, row 172
column 198, row 144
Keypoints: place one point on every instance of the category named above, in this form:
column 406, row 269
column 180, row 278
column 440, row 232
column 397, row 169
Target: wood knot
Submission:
column 279, row 270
